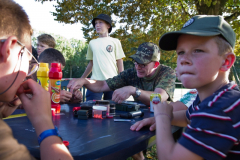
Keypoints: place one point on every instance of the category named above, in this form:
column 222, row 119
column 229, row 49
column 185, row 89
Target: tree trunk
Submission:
column 215, row 7
column 70, row 71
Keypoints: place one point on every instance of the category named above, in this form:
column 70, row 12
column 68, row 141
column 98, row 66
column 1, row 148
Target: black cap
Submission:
column 104, row 17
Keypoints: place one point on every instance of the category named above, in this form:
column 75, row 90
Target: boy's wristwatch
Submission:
column 138, row 93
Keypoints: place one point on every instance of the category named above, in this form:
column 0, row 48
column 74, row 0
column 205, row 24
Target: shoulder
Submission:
column 114, row 39
column 128, row 72
column 94, row 40
column 222, row 105
column 225, row 97
column 166, row 72
column 4, row 128
column 165, row 68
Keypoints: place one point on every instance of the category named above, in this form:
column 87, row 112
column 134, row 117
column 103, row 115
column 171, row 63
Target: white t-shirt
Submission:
column 104, row 52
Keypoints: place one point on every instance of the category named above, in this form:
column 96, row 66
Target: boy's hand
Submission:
column 145, row 122
column 75, row 84
column 77, row 96
column 65, row 96
column 38, row 108
column 7, row 109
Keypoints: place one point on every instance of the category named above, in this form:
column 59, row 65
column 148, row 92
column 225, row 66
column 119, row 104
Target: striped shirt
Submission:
column 214, row 131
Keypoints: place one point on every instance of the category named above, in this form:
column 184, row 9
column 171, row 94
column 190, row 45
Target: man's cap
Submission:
column 104, row 17
column 201, row 25
column 147, row 52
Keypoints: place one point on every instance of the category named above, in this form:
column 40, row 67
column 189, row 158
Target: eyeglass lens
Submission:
column 32, row 69
column 140, row 65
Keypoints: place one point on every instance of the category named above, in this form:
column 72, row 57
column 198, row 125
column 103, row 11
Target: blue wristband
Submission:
column 47, row 133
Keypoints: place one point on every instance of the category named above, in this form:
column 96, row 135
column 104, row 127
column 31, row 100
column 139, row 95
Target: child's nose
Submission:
column 185, row 60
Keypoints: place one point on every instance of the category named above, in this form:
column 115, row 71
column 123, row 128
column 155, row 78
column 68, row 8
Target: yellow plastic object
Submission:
column 42, row 75
column 16, row 116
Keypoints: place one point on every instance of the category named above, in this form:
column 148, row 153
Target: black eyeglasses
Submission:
column 34, row 67
column 140, row 65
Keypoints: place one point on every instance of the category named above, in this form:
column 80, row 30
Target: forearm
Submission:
column 120, row 65
column 88, row 69
column 165, row 141
column 178, row 106
column 96, row 86
column 145, row 95
column 52, row 148
column 179, row 118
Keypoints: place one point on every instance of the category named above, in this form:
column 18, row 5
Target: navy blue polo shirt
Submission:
column 214, row 129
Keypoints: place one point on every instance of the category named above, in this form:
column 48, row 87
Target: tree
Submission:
column 147, row 20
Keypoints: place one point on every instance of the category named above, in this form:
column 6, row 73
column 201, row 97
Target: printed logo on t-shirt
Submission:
column 109, row 48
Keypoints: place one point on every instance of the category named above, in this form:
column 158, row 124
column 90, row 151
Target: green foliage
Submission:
column 74, row 52
column 141, row 21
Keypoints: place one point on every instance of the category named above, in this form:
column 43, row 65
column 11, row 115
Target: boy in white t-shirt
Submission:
column 105, row 56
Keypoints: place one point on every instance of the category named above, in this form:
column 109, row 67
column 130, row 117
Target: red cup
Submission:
column 66, row 143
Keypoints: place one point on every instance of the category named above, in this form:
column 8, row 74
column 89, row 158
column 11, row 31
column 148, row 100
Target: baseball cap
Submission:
column 104, row 17
column 201, row 25
column 147, row 52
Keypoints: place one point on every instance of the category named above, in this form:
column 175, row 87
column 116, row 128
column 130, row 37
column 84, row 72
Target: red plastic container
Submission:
column 55, row 77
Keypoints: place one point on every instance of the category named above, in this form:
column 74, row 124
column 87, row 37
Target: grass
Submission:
column 151, row 154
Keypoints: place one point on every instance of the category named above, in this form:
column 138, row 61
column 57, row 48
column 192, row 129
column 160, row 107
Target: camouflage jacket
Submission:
column 163, row 78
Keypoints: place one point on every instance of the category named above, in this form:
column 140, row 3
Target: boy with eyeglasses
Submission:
column 105, row 56
column 147, row 77
column 15, row 43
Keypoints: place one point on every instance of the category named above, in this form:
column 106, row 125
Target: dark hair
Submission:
column 47, row 39
column 50, row 55
column 34, row 53
column 14, row 21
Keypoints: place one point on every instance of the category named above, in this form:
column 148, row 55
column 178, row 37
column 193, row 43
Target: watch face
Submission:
column 138, row 92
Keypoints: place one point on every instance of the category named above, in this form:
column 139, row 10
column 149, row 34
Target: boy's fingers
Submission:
column 79, row 95
column 153, row 127
column 29, row 86
column 23, row 97
column 24, row 86
column 55, row 89
column 71, row 86
column 68, row 96
column 135, row 126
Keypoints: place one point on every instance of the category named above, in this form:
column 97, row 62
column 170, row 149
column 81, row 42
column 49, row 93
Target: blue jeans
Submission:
column 98, row 96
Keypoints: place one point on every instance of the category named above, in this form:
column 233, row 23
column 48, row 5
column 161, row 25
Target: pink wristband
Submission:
column 160, row 114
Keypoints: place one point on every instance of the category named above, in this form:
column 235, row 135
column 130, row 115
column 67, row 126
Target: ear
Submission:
column 7, row 48
column 156, row 64
column 109, row 26
column 228, row 61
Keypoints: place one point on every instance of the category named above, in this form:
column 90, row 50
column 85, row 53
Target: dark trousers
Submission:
column 98, row 96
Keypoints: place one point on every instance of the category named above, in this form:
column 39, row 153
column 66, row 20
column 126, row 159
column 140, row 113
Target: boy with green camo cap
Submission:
column 204, row 47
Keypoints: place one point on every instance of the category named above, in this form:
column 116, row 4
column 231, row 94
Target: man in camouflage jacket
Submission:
column 147, row 77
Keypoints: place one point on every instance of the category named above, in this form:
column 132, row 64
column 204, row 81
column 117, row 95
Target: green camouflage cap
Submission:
column 147, row 52
column 201, row 25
